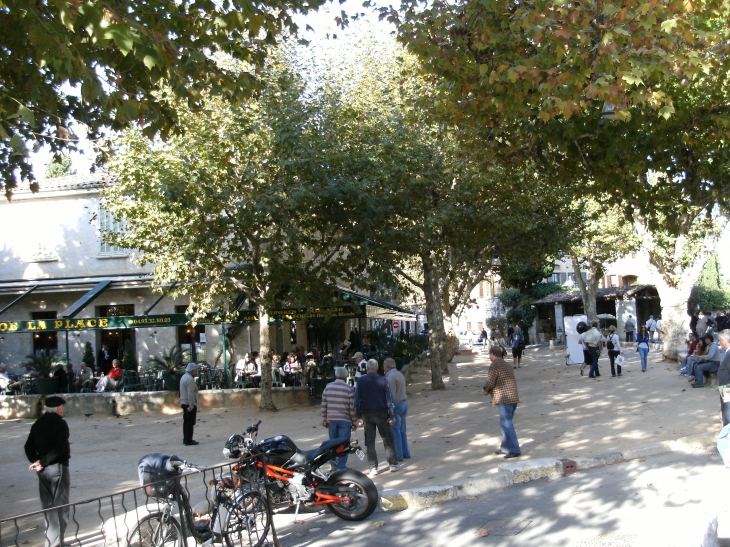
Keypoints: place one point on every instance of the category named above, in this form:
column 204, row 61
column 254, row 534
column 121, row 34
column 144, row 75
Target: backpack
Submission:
column 609, row 343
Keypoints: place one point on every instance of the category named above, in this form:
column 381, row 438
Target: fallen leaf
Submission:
column 575, row 493
column 483, row 532
column 379, row 524
column 472, row 497
column 298, row 522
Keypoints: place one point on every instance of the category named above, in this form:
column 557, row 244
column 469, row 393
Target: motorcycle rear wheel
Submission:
column 361, row 491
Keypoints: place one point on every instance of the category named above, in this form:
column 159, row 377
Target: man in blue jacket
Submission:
column 374, row 408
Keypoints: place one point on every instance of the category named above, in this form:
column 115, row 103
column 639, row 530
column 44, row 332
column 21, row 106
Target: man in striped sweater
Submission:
column 338, row 409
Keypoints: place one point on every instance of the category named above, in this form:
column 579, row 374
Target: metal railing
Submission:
column 222, row 505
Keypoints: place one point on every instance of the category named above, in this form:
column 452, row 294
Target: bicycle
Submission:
column 234, row 517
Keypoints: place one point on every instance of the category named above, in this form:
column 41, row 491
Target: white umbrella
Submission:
column 606, row 316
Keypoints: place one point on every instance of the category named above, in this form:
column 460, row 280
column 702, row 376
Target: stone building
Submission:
column 62, row 286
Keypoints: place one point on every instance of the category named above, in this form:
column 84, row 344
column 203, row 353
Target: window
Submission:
column 45, row 342
column 613, row 280
column 555, row 278
column 107, row 223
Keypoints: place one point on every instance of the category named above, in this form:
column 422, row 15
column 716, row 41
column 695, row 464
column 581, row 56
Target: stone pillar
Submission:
column 559, row 322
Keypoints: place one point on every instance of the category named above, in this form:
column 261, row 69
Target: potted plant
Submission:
column 171, row 363
column 45, row 363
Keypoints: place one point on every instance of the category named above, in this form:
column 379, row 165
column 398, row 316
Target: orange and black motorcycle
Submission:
column 297, row 477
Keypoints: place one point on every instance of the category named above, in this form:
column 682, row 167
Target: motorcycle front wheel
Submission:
column 361, row 493
column 247, row 523
column 156, row 530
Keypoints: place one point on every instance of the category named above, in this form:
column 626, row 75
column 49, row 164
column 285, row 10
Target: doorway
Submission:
column 115, row 339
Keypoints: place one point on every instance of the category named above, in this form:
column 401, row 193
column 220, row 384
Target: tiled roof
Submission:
column 70, row 182
column 609, row 293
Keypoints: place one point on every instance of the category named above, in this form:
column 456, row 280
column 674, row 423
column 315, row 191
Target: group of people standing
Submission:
column 513, row 342
column 594, row 342
column 375, row 403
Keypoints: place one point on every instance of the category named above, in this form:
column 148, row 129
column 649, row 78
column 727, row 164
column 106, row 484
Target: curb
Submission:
column 527, row 471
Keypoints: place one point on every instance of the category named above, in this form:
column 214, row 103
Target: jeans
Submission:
column 643, row 352
column 612, row 354
column 399, row 431
column 630, row 336
column 188, row 423
column 379, row 419
column 509, row 436
column 339, row 429
column 54, row 483
column 700, row 369
column 594, row 362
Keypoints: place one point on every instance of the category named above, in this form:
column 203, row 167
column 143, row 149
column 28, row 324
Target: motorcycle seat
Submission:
column 307, row 456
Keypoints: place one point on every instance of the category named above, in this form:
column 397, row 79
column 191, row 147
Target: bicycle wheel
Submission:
column 247, row 522
column 156, row 530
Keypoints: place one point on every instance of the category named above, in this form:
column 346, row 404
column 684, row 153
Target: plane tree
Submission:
column 103, row 63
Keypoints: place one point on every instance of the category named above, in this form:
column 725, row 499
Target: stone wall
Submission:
column 167, row 402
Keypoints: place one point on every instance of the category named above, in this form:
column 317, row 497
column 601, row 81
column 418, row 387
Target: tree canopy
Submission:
column 103, row 63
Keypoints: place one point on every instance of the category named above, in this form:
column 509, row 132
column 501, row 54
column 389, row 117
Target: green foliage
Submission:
column 129, row 357
column 170, row 362
column 44, row 363
column 498, row 323
column 510, row 298
column 710, row 293
column 60, row 167
column 524, row 317
column 541, row 290
column 119, row 56
column 88, row 356
column 522, row 276
column 707, row 299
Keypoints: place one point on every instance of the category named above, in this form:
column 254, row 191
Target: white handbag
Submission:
column 620, row 360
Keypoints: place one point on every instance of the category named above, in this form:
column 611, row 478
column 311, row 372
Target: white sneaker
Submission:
column 373, row 471
column 393, row 468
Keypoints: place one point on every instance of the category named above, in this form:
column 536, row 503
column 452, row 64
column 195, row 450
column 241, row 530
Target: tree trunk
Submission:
column 434, row 311
column 589, row 288
column 267, row 402
column 448, row 351
column 675, row 319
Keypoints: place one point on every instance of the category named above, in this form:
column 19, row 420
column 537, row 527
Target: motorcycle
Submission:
column 303, row 477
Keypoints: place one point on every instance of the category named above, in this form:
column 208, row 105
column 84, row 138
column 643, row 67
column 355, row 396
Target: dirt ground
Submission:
column 452, row 433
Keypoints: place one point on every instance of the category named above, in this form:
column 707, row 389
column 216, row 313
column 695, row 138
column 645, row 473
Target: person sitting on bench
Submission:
column 110, row 381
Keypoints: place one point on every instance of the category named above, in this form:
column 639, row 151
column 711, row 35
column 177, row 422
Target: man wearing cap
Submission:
column 189, row 402
column 49, row 451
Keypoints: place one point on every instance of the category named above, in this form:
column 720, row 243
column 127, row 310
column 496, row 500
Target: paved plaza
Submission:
column 453, row 433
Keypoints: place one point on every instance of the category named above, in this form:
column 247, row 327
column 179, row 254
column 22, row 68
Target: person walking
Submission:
column 643, row 340
column 189, row 402
column 516, row 340
column 338, row 410
column 651, row 325
column 49, row 451
column 723, row 376
column 397, row 384
column 613, row 345
column 592, row 340
column 502, row 386
column 630, row 329
column 375, row 409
